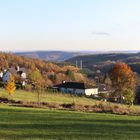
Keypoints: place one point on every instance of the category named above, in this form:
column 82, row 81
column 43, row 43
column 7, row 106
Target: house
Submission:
column 19, row 72
column 77, row 88
column 1, row 75
column 8, row 73
column 103, row 88
column 6, row 76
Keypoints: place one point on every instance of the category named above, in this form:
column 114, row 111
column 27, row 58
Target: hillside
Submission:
column 104, row 62
column 51, row 72
column 55, row 56
column 58, row 56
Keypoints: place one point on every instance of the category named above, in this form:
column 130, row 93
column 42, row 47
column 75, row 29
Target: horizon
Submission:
column 75, row 51
column 69, row 25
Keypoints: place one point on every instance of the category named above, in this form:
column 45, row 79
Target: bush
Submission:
column 18, row 86
column 2, row 84
column 129, row 96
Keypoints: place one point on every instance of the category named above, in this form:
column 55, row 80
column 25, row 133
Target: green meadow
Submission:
column 49, row 97
column 30, row 123
column 50, row 124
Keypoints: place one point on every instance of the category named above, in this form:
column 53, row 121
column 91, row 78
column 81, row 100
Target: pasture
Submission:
column 30, row 123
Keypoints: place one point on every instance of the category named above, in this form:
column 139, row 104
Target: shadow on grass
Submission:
column 95, row 129
column 42, row 124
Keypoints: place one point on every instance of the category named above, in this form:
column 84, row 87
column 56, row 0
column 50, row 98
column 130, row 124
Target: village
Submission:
column 77, row 88
column 101, row 90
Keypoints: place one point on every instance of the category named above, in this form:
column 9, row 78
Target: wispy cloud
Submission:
column 101, row 33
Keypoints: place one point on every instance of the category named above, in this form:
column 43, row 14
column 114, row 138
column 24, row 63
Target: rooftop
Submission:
column 75, row 85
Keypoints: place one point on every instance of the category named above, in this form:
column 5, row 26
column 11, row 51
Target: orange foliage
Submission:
column 122, row 77
column 46, row 68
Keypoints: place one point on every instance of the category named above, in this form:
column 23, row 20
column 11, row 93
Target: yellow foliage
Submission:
column 11, row 87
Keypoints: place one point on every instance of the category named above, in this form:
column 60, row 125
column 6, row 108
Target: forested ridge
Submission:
column 52, row 73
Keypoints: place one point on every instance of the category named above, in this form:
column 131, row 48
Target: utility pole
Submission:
column 81, row 64
column 76, row 64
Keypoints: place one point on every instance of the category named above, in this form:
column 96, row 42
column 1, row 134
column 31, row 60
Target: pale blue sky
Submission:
column 69, row 25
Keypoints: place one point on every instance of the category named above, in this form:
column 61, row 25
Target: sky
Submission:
column 83, row 25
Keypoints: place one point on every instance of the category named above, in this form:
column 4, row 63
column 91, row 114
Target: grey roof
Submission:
column 12, row 71
column 22, row 69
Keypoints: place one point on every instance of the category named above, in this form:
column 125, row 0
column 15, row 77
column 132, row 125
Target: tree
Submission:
column 129, row 96
column 11, row 87
column 107, row 80
column 52, row 77
column 122, row 78
column 70, row 74
column 37, row 81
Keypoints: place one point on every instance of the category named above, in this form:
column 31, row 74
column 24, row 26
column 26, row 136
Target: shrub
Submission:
column 2, row 84
column 129, row 96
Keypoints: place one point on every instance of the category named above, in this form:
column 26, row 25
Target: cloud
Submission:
column 101, row 33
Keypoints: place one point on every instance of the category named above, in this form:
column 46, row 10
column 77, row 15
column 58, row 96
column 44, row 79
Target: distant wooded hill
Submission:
column 104, row 62
column 50, row 55
column 58, row 56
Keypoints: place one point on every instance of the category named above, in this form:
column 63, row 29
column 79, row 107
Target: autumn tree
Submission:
column 37, row 81
column 123, row 78
column 11, row 87
column 3, row 63
column 129, row 96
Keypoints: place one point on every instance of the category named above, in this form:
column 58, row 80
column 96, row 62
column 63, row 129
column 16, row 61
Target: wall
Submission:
column 6, row 77
column 73, row 91
column 80, row 91
column 91, row 91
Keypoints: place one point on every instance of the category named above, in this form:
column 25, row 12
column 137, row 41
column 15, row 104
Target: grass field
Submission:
column 28, row 123
column 47, row 97
column 32, row 123
column 59, row 98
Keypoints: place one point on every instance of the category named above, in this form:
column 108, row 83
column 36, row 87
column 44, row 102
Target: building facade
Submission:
column 77, row 88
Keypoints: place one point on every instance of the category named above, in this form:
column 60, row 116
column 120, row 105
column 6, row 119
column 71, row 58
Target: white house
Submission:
column 21, row 72
column 77, row 88
column 1, row 74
